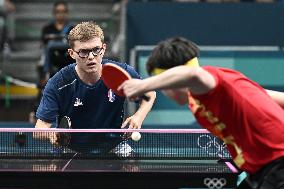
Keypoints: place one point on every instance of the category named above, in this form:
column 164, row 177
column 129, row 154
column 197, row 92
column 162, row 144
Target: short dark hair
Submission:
column 172, row 52
column 56, row 3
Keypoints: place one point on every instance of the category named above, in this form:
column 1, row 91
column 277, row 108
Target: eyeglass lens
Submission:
column 85, row 52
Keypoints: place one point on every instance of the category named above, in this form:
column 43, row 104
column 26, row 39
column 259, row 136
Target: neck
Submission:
column 88, row 78
column 59, row 24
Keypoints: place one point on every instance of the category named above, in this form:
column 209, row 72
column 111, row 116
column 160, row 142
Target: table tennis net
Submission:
column 109, row 143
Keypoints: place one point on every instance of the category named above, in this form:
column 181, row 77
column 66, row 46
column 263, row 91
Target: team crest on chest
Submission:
column 110, row 95
column 78, row 102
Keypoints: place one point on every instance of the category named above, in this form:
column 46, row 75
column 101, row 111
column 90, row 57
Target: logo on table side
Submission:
column 215, row 183
column 78, row 102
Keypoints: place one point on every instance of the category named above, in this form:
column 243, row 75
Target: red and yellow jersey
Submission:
column 243, row 115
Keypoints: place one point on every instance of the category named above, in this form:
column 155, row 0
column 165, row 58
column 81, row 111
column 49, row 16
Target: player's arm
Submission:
column 277, row 96
column 42, row 124
column 198, row 80
column 135, row 121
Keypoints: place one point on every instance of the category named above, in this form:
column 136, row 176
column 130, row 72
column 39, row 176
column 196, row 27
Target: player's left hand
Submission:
column 132, row 88
column 133, row 122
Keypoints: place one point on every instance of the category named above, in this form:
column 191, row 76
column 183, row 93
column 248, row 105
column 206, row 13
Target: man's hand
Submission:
column 133, row 122
column 51, row 136
column 132, row 88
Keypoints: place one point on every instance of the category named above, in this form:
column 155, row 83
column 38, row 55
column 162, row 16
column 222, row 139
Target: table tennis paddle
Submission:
column 63, row 139
column 113, row 76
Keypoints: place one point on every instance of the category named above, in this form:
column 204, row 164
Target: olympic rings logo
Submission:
column 215, row 183
column 212, row 145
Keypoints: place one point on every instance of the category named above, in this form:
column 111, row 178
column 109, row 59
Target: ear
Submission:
column 71, row 53
column 104, row 46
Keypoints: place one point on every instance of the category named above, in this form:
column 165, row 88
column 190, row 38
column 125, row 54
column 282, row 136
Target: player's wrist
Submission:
column 146, row 85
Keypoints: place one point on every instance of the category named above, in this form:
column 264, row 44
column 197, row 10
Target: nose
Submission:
column 91, row 55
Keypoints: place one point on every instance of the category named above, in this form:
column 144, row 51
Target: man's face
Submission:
column 61, row 13
column 88, row 55
column 180, row 96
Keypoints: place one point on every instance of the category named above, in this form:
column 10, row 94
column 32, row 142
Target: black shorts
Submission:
column 270, row 176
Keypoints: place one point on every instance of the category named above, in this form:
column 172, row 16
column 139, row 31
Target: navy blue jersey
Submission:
column 88, row 106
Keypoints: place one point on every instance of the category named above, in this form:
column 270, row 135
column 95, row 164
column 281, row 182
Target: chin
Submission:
column 92, row 70
column 181, row 103
column 180, row 99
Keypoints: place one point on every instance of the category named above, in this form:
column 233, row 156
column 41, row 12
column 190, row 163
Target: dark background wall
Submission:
column 206, row 23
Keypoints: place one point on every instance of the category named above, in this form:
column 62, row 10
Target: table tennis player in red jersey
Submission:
column 248, row 118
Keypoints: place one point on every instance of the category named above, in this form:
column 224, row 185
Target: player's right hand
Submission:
column 51, row 136
column 41, row 135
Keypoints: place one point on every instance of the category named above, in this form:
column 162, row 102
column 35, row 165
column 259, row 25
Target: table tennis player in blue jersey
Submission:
column 77, row 91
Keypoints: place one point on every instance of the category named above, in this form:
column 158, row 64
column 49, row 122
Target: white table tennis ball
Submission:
column 135, row 136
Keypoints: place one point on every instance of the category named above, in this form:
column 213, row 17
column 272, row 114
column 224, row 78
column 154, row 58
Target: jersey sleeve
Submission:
column 48, row 107
column 216, row 74
column 132, row 72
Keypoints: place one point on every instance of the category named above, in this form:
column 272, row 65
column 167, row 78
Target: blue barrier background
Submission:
column 206, row 23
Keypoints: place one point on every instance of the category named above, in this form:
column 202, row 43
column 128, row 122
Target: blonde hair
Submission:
column 84, row 32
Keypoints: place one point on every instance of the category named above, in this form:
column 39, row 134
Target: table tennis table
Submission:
column 174, row 165
column 88, row 173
